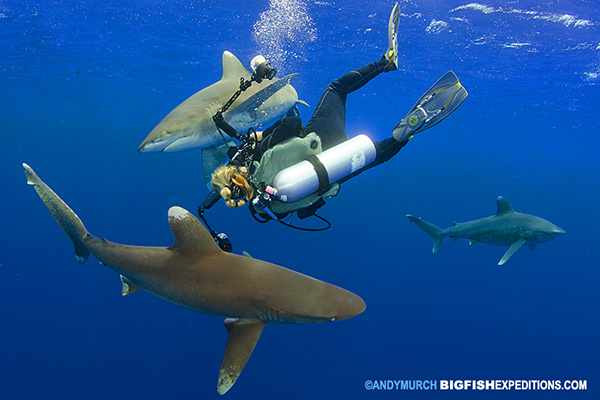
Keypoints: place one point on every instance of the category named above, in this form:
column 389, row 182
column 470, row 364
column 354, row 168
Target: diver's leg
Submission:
column 329, row 118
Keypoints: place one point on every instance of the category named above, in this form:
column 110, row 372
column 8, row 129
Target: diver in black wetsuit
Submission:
column 250, row 174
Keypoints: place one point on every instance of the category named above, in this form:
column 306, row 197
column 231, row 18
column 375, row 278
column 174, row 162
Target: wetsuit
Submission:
column 328, row 122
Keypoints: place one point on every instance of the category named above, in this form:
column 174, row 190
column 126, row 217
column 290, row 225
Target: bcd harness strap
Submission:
column 321, row 173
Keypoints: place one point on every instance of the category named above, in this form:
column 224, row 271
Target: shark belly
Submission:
column 487, row 230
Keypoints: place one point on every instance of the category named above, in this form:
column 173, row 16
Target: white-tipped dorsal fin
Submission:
column 246, row 254
column 503, row 206
column 232, row 67
column 190, row 234
column 128, row 287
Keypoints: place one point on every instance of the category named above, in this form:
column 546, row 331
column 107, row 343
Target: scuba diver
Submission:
column 290, row 168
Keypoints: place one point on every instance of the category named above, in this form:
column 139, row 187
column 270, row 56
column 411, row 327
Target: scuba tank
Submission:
column 317, row 173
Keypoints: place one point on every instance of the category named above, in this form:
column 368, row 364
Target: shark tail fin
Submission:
column 62, row 213
column 432, row 230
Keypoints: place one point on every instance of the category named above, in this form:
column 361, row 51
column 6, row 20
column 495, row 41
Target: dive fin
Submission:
column 127, row 287
column 432, row 230
column 242, row 335
column 436, row 104
column 512, row 249
column 62, row 213
column 391, row 53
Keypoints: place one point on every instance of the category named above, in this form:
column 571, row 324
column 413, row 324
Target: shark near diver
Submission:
column 195, row 273
column 506, row 228
column 190, row 125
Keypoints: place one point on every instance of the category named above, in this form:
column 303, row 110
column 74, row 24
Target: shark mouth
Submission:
column 183, row 143
column 167, row 146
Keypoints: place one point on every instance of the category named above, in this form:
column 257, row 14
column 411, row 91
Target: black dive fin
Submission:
column 242, row 335
column 436, row 104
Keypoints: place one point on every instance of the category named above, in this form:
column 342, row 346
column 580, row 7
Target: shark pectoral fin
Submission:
column 473, row 241
column 437, row 242
column 242, row 335
column 532, row 246
column 128, row 287
column 512, row 249
column 302, row 102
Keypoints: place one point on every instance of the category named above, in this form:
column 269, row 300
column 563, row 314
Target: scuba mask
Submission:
column 237, row 187
column 236, row 192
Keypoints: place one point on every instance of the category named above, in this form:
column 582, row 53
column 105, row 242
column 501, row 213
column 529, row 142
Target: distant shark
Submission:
column 505, row 228
column 196, row 274
column 190, row 124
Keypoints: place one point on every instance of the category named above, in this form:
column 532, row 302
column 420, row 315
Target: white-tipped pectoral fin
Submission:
column 512, row 250
column 242, row 335
column 127, row 287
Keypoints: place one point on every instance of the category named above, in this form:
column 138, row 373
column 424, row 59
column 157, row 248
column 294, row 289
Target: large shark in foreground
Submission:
column 196, row 274
column 505, row 228
column 190, row 125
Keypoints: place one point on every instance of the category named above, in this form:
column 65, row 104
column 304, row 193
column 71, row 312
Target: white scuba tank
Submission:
column 301, row 179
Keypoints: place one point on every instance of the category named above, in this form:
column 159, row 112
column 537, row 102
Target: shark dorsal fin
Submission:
column 503, row 206
column 190, row 234
column 232, row 67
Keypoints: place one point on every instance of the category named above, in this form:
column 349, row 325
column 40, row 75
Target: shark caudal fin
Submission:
column 62, row 213
column 432, row 230
column 242, row 335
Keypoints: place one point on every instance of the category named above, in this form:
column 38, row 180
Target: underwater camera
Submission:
column 262, row 69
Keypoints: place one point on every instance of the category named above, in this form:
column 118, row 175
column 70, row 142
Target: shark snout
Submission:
column 152, row 146
column 349, row 306
column 550, row 233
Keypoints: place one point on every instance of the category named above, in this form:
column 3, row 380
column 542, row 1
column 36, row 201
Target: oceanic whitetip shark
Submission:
column 196, row 274
column 506, row 228
column 190, row 125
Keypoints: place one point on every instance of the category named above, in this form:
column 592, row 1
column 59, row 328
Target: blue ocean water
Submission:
column 82, row 85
